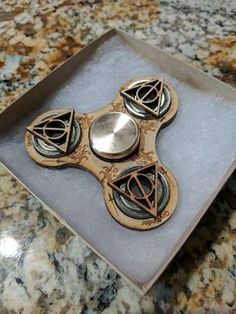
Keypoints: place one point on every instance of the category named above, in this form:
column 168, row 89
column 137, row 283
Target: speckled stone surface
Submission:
column 43, row 267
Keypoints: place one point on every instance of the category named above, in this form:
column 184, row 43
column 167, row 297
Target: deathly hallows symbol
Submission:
column 55, row 130
column 140, row 187
column 147, row 95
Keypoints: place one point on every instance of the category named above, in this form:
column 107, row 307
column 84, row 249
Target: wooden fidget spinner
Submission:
column 117, row 145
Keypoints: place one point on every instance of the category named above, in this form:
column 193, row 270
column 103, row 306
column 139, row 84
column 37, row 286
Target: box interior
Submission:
column 198, row 147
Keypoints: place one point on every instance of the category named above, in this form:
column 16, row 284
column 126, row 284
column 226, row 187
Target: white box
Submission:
column 199, row 148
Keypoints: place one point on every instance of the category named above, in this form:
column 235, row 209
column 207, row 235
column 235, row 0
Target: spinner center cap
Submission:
column 114, row 136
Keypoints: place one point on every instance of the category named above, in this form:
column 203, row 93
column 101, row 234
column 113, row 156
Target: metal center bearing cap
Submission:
column 114, row 136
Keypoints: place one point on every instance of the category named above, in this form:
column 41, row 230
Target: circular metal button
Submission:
column 139, row 112
column 131, row 209
column 114, row 136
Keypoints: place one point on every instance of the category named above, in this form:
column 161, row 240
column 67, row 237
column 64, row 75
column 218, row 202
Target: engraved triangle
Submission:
column 140, row 188
column 147, row 95
column 55, row 130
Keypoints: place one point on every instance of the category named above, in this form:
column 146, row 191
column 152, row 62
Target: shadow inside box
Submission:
column 200, row 251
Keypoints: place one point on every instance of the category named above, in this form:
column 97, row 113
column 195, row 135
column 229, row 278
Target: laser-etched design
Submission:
column 55, row 129
column 147, row 95
column 138, row 187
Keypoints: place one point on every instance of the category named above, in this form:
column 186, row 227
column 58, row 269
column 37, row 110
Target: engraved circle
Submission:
column 147, row 94
column 134, row 184
column 55, row 129
column 114, row 136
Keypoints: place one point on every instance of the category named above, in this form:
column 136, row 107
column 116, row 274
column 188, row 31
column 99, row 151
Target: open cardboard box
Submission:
column 199, row 148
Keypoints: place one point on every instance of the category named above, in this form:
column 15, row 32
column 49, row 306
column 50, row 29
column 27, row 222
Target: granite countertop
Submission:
column 44, row 268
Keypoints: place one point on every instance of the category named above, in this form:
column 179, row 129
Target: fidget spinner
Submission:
column 117, row 145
